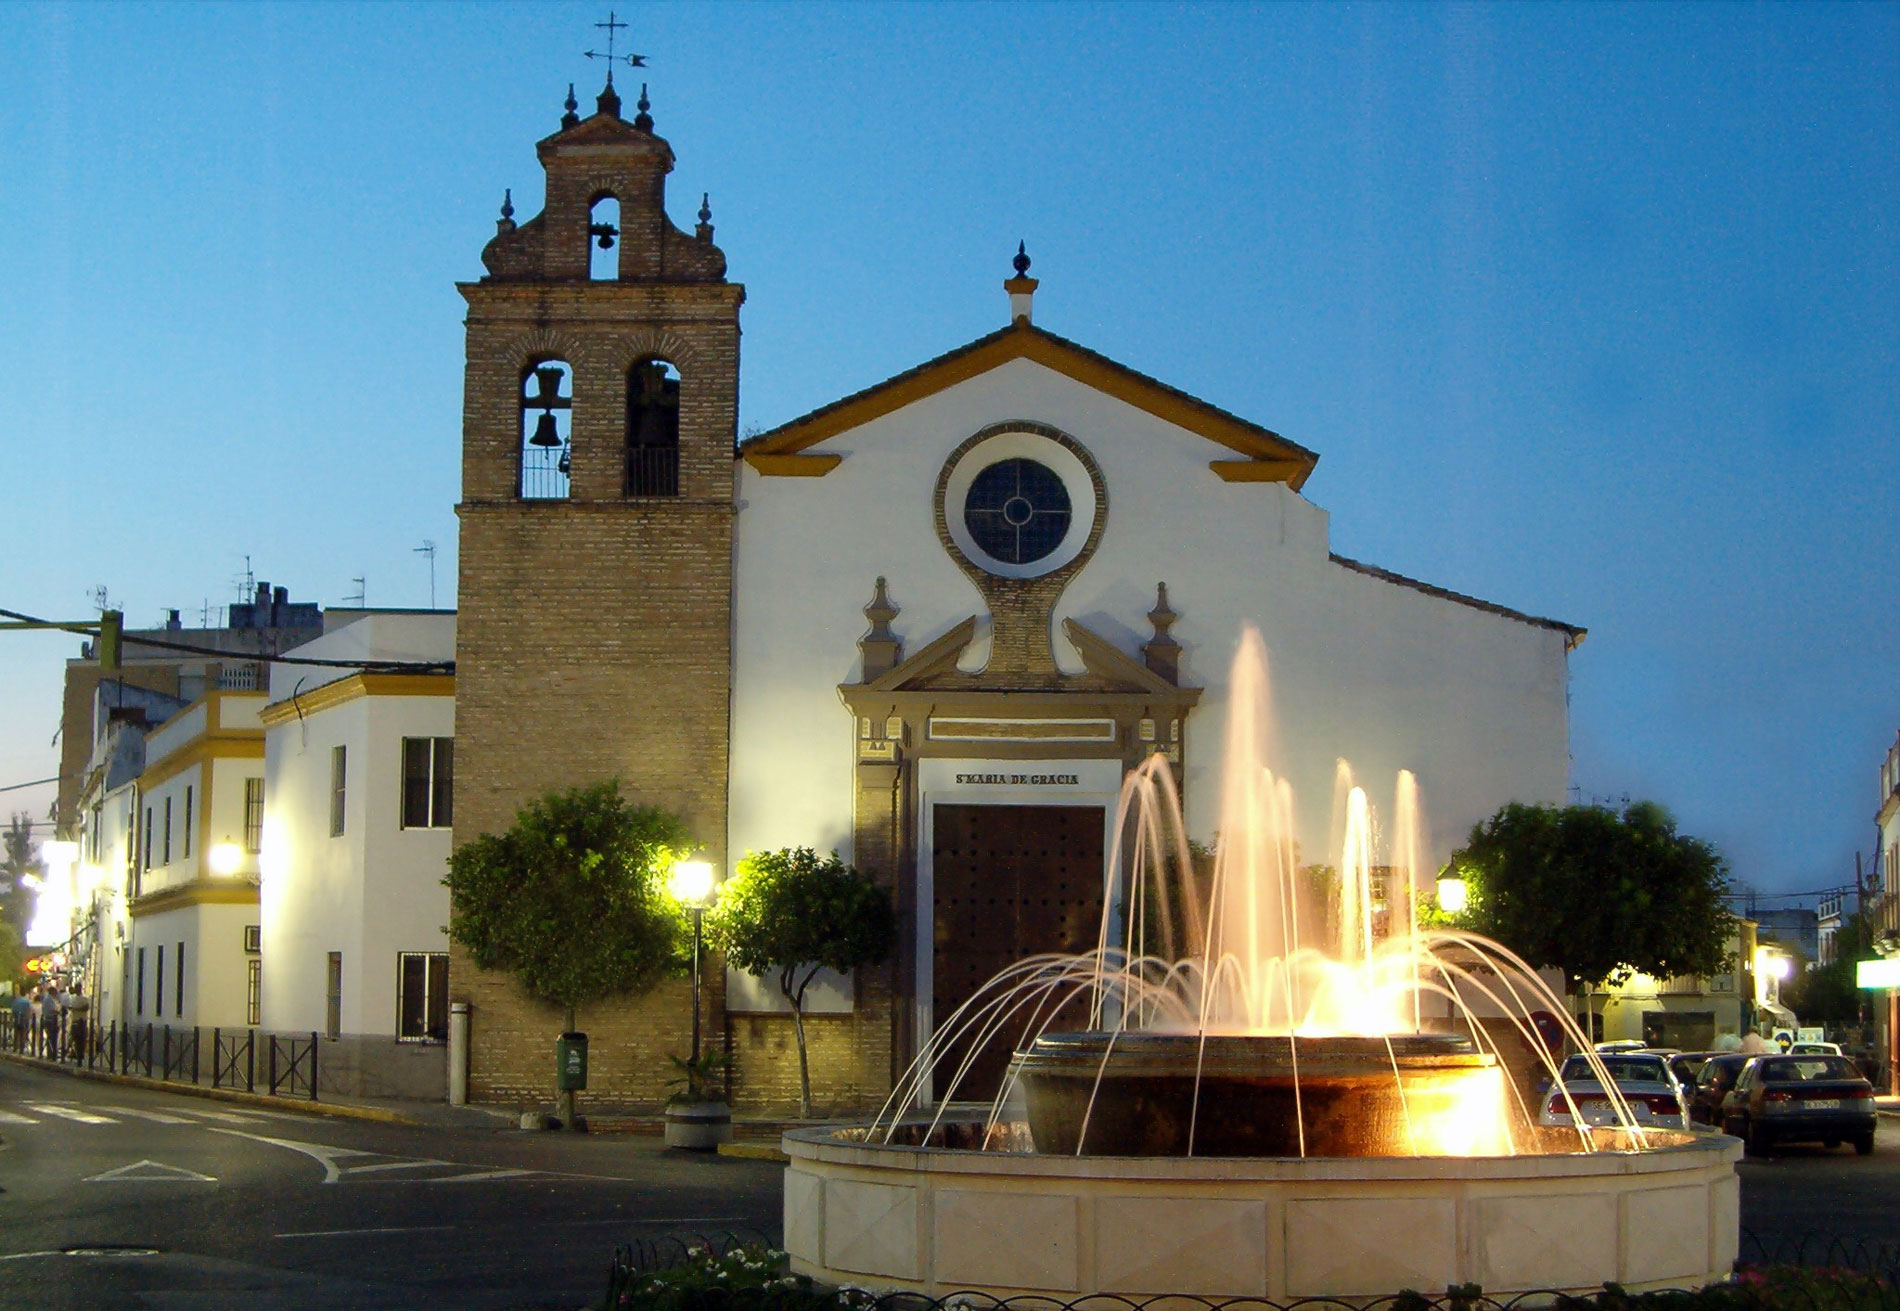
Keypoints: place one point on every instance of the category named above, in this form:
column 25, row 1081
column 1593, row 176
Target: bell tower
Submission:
column 600, row 410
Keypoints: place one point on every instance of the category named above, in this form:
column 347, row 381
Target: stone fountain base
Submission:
column 937, row 1219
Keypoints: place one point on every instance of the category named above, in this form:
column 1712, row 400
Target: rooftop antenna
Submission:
column 101, row 598
column 359, row 599
column 248, row 588
column 428, row 548
column 204, row 614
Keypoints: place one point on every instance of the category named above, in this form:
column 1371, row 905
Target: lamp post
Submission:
column 1453, row 894
column 691, row 886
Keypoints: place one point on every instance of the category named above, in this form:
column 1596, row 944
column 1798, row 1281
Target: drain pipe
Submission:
column 458, row 1053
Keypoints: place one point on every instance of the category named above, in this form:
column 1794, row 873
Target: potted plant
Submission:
column 698, row 1117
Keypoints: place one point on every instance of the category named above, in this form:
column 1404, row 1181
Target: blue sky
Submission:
column 1588, row 309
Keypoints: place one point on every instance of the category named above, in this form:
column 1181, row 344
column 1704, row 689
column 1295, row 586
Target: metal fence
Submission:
column 247, row 1060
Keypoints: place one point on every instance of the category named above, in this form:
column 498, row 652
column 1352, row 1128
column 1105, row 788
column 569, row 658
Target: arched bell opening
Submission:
column 603, row 239
column 547, row 411
column 653, row 429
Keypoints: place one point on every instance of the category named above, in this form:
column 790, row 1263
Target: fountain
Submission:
column 1265, row 1081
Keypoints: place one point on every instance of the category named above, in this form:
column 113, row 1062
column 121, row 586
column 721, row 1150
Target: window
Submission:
column 1017, row 510
column 253, row 815
column 254, row 992
column 166, row 859
column 141, row 987
column 339, row 769
column 145, row 848
column 653, row 430
column 158, row 990
column 546, row 453
column 422, row 996
column 253, row 939
column 428, row 776
column 333, row 997
column 187, row 832
column 98, row 820
column 178, row 982
column 603, row 227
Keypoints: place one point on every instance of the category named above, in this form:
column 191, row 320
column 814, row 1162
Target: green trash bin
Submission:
column 570, row 1062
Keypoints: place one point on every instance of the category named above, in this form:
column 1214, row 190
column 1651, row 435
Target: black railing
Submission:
column 293, row 1066
column 234, row 1059
column 178, row 1055
column 653, row 471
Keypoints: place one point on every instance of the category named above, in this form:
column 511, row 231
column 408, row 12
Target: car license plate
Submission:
column 1823, row 1103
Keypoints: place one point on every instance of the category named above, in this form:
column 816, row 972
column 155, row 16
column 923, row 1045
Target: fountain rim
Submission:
column 1116, row 1054
column 1665, row 1155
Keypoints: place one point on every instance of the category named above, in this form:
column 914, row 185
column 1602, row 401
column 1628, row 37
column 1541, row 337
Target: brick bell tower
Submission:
column 600, row 411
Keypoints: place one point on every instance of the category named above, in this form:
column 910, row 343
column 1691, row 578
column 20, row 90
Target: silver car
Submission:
column 1650, row 1091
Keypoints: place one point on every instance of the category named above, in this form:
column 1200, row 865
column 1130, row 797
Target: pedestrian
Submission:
column 22, row 1021
column 50, row 1009
column 33, row 1022
column 78, row 1011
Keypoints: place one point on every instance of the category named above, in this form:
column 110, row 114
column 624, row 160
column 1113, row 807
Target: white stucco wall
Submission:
column 1384, row 675
column 215, row 971
column 375, row 891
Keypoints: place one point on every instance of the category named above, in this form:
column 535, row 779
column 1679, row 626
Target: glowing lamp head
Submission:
column 1453, row 894
column 226, row 858
column 692, row 882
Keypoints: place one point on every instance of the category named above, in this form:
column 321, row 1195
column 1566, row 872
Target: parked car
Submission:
column 1620, row 1045
column 1780, row 1099
column 1815, row 1049
column 1655, row 1099
column 1686, row 1065
column 1712, row 1084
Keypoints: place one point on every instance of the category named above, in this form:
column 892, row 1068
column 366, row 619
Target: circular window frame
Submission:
column 1056, row 451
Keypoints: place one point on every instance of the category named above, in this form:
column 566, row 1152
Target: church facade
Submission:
column 932, row 625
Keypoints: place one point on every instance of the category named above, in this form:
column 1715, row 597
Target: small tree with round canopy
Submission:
column 572, row 899
column 787, row 914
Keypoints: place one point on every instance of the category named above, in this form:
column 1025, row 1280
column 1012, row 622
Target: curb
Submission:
column 754, row 1150
column 337, row 1110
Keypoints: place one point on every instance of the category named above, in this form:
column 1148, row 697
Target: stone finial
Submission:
column 704, row 230
column 572, row 117
column 1162, row 653
column 881, row 648
column 1021, row 288
column 506, row 223
column 643, row 120
column 608, row 101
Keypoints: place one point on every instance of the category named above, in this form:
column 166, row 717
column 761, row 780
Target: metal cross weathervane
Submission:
column 612, row 29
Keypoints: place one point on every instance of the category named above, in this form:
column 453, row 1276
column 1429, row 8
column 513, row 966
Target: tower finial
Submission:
column 643, row 120
column 570, row 118
column 1162, row 653
column 1021, row 262
column 881, row 649
column 609, row 99
column 704, row 230
column 506, row 223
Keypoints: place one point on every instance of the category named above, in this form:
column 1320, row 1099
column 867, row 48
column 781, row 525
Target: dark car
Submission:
column 1712, row 1083
column 1686, row 1065
column 1779, row 1099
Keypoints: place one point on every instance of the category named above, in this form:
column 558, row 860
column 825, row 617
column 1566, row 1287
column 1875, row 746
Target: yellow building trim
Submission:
column 794, row 466
column 219, row 746
column 198, row 892
column 1257, row 471
column 349, row 689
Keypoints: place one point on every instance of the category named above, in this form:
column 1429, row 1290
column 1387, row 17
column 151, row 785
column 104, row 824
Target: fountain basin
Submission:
column 1134, row 1093
column 938, row 1219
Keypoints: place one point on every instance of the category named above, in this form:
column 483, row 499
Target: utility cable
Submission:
column 134, row 638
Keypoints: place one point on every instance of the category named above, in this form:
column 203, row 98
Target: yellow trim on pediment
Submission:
column 350, row 689
column 1268, row 456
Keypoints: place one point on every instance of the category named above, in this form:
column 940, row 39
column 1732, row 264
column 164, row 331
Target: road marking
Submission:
column 69, row 1112
column 228, row 1117
column 351, row 1233
column 148, row 1172
column 158, row 1116
column 330, row 1158
column 8, row 1117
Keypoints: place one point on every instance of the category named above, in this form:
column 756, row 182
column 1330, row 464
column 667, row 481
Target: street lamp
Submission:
column 1453, row 894
column 691, row 886
column 226, row 857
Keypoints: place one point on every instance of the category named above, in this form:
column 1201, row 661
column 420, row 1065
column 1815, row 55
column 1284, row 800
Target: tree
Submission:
column 1832, row 992
column 788, row 914
column 1598, row 894
column 571, row 900
column 16, row 899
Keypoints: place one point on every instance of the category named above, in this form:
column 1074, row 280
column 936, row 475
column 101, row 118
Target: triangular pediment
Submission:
column 1264, row 455
column 599, row 130
column 1106, row 671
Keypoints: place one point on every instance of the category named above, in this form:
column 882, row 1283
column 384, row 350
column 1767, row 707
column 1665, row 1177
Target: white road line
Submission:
column 227, row 1117
column 351, row 1233
column 69, row 1112
column 8, row 1117
column 150, row 1172
column 158, row 1116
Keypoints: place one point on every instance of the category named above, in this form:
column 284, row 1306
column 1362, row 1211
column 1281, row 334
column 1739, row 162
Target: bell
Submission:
column 545, row 431
column 547, row 382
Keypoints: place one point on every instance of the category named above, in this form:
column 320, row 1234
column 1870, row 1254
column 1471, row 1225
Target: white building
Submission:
column 359, row 767
column 191, row 950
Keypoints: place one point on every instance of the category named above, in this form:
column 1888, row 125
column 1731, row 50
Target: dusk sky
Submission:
column 1592, row 311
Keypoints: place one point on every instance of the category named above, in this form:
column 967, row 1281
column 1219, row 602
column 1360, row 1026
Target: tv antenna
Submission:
column 428, row 548
column 359, row 599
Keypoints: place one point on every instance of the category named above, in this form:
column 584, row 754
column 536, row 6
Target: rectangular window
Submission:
column 428, row 778
column 158, row 990
column 178, row 987
column 422, row 996
column 254, row 992
column 141, row 988
column 253, row 815
column 253, row 938
column 145, row 848
column 167, row 848
column 338, row 772
column 187, row 834
column 333, row 999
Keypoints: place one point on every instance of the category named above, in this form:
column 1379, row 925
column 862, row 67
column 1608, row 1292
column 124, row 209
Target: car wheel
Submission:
column 1864, row 1145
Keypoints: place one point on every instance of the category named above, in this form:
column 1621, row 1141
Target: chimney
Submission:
column 1021, row 288
column 172, row 621
column 279, row 602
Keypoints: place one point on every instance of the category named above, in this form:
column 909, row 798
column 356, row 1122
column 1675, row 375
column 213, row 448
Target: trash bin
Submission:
column 570, row 1061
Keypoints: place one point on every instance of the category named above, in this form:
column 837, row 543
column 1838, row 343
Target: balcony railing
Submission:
column 653, row 471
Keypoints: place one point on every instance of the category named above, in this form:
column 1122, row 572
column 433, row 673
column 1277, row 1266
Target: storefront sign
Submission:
column 1017, row 780
column 1883, row 973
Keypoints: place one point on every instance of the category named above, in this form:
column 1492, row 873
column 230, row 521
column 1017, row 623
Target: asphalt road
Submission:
column 1808, row 1199
column 123, row 1197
